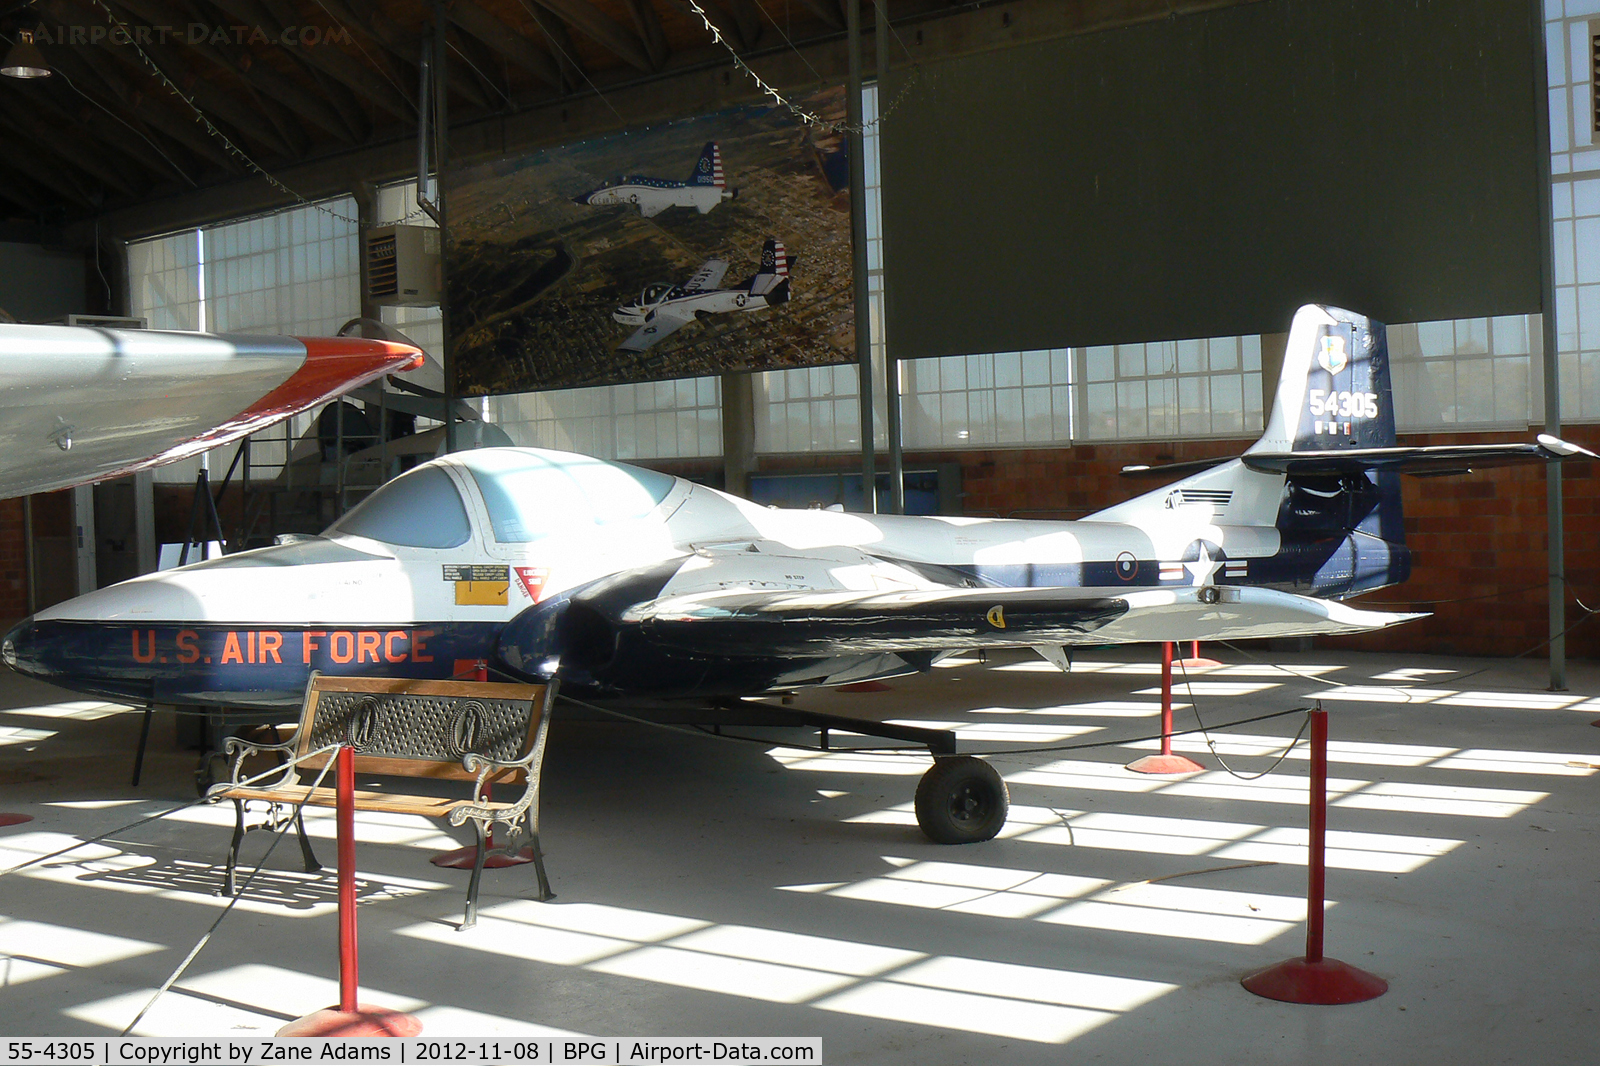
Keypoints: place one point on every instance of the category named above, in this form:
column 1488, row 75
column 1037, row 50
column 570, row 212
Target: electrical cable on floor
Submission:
column 172, row 810
column 205, row 938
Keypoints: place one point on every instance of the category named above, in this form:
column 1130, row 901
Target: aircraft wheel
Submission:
column 212, row 768
column 961, row 800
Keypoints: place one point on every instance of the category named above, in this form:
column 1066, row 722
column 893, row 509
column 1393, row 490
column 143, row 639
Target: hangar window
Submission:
column 529, row 495
column 422, row 509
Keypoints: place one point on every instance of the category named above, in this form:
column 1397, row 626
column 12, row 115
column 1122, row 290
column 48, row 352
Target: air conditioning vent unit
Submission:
column 100, row 321
column 402, row 266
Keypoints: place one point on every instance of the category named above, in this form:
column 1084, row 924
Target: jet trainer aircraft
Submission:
column 621, row 582
column 705, row 189
column 662, row 308
column 83, row 404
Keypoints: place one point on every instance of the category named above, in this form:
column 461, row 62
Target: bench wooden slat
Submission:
column 387, row 802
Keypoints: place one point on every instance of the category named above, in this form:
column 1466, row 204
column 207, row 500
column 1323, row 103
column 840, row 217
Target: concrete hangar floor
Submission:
column 710, row 888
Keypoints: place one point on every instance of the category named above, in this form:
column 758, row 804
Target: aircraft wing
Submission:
column 662, row 325
column 83, row 404
column 743, row 622
column 709, row 276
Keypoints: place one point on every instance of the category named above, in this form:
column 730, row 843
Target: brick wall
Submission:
column 13, row 565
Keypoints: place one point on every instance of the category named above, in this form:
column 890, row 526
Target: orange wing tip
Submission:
column 403, row 356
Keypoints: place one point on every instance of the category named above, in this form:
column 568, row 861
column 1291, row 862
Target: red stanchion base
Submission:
column 1196, row 664
column 365, row 1020
column 1327, row 981
column 1164, row 764
column 14, row 819
column 865, row 686
column 463, row 858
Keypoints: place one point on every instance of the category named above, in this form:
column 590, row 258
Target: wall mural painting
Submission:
column 714, row 244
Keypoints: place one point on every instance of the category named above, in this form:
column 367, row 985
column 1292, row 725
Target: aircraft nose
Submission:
column 19, row 648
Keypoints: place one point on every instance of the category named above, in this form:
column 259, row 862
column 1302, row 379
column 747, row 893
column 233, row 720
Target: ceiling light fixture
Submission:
column 24, row 60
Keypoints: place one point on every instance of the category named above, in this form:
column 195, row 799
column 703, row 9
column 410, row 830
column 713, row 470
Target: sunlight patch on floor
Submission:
column 79, row 710
column 846, row 763
column 852, row 977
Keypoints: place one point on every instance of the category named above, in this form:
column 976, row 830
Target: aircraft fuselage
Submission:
column 248, row 629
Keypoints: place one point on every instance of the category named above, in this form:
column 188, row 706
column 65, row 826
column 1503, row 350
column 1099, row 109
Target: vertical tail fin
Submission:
column 1346, row 528
column 772, row 278
column 1334, row 389
column 708, row 170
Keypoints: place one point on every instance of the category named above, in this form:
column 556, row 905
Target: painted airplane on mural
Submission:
column 622, row 582
column 706, row 188
column 663, row 308
column 83, row 403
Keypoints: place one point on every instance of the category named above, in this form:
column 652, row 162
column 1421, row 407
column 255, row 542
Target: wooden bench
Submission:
column 400, row 728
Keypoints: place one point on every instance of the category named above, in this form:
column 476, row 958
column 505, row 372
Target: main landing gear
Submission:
column 961, row 800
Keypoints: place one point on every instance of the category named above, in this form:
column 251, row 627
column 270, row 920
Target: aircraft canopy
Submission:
column 531, row 494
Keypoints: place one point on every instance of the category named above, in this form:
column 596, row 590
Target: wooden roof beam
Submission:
column 277, row 88
column 719, row 18
column 212, row 101
column 48, row 144
column 400, row 43
column 155, row 113
column 505, row 39
column 376, row 84
column 566, row 52
column 747, row 18
column 603, row 30
column 648, row 22
column 828, row 11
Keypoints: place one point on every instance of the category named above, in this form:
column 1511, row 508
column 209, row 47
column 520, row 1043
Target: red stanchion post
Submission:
column 1317, row 840
column 349, row 1018
column 1166, row 762
column 1316, row 979
column 349, row 955
column 1166, row 697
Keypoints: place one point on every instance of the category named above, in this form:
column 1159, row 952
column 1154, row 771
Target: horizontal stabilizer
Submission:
column 1423, row 462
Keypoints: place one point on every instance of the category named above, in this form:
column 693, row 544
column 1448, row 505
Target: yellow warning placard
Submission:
column 479, row 585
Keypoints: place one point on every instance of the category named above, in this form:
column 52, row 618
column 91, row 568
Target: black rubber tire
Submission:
column 961, row 800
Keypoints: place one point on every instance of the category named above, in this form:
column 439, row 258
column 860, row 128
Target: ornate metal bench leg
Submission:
column 545, row 895
column 477, row 876
column 310, row 857
column 228, row 887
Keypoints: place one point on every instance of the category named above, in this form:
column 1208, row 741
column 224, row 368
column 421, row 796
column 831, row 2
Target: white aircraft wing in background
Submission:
column 709, row 276
column 82, row 404
column 664, row 323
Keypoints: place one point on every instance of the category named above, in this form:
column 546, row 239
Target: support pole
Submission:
column 441, row 141
column 1315, row 978
column 1555, row 519
column 858, row 247
column 1166, row 762
column 891, row 365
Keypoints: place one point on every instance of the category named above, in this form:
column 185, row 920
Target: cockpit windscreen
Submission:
column 529, row 496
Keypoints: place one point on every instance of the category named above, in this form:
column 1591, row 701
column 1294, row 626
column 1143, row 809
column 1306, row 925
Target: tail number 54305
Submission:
column 1335, row 404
